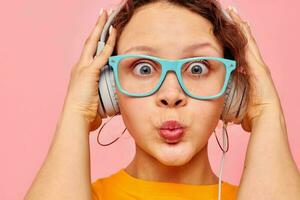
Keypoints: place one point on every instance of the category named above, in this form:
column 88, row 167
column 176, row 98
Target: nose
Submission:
column 170, row 93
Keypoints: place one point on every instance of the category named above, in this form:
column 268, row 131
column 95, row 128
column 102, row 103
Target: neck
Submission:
column 197, row 171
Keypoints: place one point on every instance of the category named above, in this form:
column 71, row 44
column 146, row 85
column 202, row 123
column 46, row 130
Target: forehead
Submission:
column 168, row 30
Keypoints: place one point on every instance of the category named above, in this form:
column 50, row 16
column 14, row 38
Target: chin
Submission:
column 177, row 154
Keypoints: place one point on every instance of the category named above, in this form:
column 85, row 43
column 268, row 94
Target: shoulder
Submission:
column 103, row 186
column 229, row 190
column 97, row 188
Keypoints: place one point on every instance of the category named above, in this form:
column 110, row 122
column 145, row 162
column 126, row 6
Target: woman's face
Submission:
column 169, row 30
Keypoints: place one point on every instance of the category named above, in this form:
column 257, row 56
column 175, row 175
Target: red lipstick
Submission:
column 171, row 131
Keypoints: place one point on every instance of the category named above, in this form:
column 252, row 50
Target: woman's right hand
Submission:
column 82, row 96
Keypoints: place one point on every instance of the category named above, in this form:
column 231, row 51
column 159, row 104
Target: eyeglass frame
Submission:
column 171, row 65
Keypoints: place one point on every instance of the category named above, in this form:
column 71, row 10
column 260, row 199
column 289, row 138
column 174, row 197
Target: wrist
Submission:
column 269, row 118
column 73, row 122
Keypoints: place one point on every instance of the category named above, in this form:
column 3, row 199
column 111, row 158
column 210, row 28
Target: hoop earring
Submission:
column 224, row 131
column 113, row 140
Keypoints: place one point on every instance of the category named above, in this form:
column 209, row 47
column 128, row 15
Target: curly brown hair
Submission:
column 227, row 32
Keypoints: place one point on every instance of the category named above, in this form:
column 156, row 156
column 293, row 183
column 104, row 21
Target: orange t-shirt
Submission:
column 122, row 186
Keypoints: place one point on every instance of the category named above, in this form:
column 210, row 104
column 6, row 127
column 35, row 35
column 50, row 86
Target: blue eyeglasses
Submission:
column 201, row 78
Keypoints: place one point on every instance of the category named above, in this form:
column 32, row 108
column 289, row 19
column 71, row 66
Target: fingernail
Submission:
column 110, row 11
column 110, row 29
column 227, row 15
column 101, row 11
column 234, row 9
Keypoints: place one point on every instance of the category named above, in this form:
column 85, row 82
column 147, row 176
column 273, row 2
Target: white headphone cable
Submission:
column 222, row 160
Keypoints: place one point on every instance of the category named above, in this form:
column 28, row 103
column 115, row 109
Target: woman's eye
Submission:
column 143, row 68
column 199, row 68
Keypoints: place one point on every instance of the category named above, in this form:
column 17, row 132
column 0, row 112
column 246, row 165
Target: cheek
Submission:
column 206, row 115
column 135, row 113
column 133, row 108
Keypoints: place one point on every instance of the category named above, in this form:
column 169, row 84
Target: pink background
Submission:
column 41, row 40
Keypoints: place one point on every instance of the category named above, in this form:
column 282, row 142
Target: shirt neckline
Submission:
column 131, row 184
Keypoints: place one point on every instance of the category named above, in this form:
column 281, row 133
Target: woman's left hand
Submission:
column 263, row 97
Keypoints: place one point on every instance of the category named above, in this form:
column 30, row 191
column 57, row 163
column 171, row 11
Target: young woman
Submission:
column 166, row 167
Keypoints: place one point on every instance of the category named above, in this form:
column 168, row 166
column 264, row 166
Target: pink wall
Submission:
column 41, row 40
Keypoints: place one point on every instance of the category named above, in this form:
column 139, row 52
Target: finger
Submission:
column 252, row 50
column 101, row 59
column 232, row 11
column 243, row 25
column 92, row 40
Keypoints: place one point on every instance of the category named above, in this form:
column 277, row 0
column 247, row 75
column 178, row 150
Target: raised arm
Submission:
column 65, row 173
column 269, row 170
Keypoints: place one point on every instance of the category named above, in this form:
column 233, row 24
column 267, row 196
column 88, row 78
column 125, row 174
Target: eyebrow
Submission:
column 153, row 50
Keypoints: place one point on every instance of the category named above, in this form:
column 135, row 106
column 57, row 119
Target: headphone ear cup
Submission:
column 236, row 99
column 108, row 100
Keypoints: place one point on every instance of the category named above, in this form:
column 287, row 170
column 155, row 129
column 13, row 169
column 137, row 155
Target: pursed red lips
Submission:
column 171, row 131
